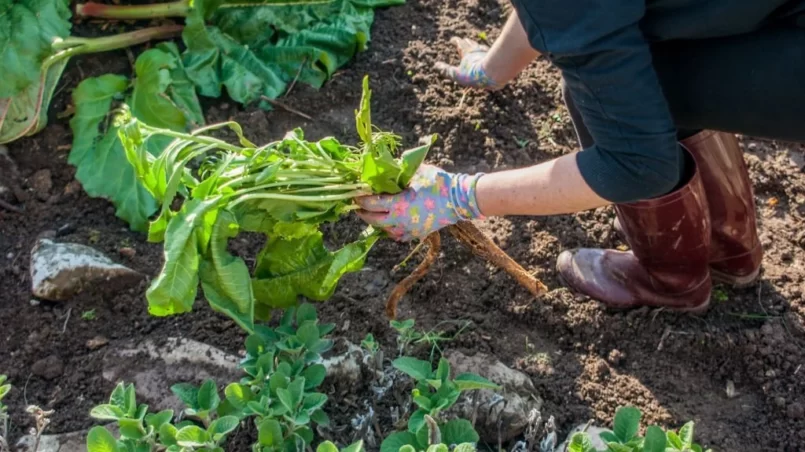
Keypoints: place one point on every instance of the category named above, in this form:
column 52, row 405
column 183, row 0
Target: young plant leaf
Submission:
column 208, row 398
column 327, row 446
column 608, row 437
column 627, row 423
column 396, row 441
column 416, row 421
column 459, row 431
column 187, row 393
column 306, row 312
column 159, row 419
column 269, row 433
column 469, row 381
column 417, row 369
column 100, row 440
column 655, row 440
column 314, row 376
column 674, row 440
column 192, row 436
column 686, row 434
column 320, row 418
column 223, row 426
column 314, row 401
column 131, row 428
column 580, row 442
column 107, row 412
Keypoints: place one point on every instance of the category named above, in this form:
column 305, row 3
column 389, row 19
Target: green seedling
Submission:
column 482, row 36
column 369, row 344
column 522, row 144
column 434, row 393
column 144, row 431
column 720, row 295
column 407, row 335
column 433, row 437
column 624, row 437
column 88, row 315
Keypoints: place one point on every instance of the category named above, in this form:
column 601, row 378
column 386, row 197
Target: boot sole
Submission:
column 694, row 310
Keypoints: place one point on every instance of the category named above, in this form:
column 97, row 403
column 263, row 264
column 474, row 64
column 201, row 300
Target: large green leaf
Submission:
column 287, row 269
column 458, row 431
column 395, row 441
column 225, row 278
column 161, row 96
column 417, row 369
column 27, row 29
column 26, row 113
column 174, row 290
column 98, row 155
column 627, row 423
column 100, row 440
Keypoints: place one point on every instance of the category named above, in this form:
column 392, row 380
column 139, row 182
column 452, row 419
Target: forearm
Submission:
column 511, row 53
column 551, row 188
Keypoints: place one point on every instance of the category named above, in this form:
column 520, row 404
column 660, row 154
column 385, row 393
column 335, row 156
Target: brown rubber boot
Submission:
column 735, row 253
column 668, row 265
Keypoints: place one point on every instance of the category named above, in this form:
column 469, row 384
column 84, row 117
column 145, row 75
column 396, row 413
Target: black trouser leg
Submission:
column 751, row 84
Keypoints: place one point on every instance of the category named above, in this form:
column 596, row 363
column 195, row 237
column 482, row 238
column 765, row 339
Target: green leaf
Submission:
column 269, row 433
column 417, row 420
column 411, row 160
column 674, row 440
column 223, row 426
column 192, row 436
column 443, row 370
column 320, row 418
column 395, row 441
column 100, row 440
column 314, row 376
column 97, row 152
column 608, row 437
column 208, row 398
column 354, row 447
column 459, row 431
column 150, row 101
column 27, row 28
column 466, row 447
column 287, row 269
column 327, row 446
column 131, row 428
column 469, row 381
column 26, row 113
column 308, row 334
column 297, row 390
column 225, row 278
column 306, row 312
column 287, row 399
column 314, row 401
column 423, row 402
column 107, row 412
column 580, row 442
column 627, row 423
column 167, row 434
column 438, row 448
column 187, row 393
column 686, row 434
column 174, row 290
column 655, row 440
column 158, row 419
column 238, row 395
column 415, row 368
column 616, row 447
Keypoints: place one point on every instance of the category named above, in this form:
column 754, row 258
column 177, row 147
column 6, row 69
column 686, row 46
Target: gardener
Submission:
column 656, row 89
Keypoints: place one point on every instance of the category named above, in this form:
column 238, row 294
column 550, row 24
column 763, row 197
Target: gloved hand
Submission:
column 433, row 200
column 471, row 71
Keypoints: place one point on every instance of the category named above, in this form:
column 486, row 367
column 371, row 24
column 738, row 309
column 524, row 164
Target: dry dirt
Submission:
column 584, row 360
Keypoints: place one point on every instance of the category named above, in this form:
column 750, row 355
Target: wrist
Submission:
column 463, row 196
column 496, row 73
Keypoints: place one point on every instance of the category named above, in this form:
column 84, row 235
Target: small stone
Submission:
column 41, row 182
column 780, row 402
column 48, row 368
column 731, row 392
column 616, row 357
column 33, row 302
column 65, row 229
column 771, row 373
column 61, row 270
column 97, row 342
column 10, row 256
column 127, row 252
column 72, row 189
column 796, row 411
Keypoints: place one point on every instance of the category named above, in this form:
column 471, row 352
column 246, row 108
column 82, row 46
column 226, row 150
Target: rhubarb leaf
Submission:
column 287, row 269
column 27, row 29
column 26, row 113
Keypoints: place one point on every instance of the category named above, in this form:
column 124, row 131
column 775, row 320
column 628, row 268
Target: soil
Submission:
column 585, row 360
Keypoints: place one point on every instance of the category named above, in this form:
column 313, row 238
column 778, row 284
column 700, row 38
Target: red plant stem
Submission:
column 132, row 12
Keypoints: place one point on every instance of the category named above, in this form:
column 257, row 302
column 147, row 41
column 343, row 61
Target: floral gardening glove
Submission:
column 470, row 72
column 433, row 200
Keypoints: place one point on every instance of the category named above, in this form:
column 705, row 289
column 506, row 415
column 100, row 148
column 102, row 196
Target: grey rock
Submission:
column 505, row 411
column 59, row 271
column 592, row 431
column 346, row 367
column 155, row 367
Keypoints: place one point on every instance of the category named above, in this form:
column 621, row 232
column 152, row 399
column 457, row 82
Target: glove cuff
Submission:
column 462, row 196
